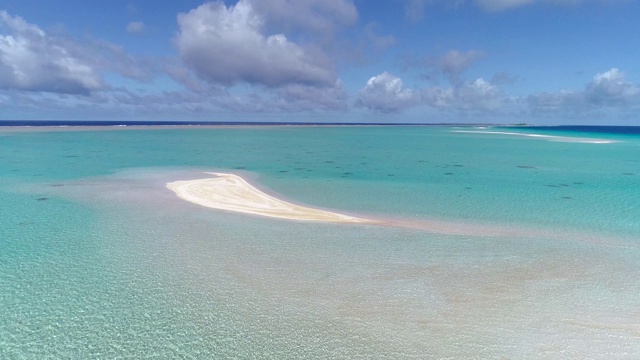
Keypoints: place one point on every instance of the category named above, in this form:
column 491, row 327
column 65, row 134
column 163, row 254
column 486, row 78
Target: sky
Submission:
column 389, row 61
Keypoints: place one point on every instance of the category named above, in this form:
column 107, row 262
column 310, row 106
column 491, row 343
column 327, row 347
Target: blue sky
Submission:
column 426, row 61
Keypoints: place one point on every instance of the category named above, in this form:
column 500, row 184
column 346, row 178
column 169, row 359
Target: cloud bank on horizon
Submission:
column 424, row 61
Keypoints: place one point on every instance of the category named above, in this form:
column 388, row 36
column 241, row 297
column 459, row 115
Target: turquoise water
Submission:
column 100, row 260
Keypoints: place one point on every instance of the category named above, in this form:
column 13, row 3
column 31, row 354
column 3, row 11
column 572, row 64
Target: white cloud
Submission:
column 323, row 17
column 477, row 95
column 136, row 27
column 227, row 45
column 609, row 89
column 385, row 93
column 31, row 60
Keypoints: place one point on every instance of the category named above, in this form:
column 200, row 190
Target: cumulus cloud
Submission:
column 608, row 89
column 611, row 89
column 136, row 27
column 476, row 95
column 479, row 95
column 385, row 93
column 324, row 17
column 31, row 60
column 227, row 45
column 290, row 98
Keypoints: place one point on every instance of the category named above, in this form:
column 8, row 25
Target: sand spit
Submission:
column 232, row 193
column 547, row 137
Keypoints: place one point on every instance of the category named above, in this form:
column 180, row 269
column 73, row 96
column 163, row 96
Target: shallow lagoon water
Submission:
column 100, row 260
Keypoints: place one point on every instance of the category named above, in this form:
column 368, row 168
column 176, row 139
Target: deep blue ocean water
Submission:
column 100, row 260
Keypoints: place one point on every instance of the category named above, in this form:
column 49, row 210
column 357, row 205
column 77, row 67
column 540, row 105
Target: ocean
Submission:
column 526, row 244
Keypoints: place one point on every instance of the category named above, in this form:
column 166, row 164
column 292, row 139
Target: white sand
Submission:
column 232, row 193
column 547, row 137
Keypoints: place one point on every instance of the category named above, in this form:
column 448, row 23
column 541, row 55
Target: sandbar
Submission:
column 231, row 192
column 547, row 137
